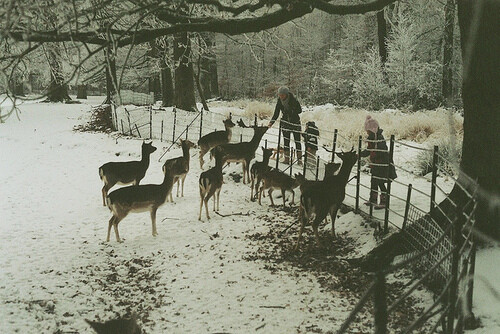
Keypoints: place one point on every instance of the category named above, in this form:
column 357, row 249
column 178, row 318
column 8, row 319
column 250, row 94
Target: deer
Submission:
column 139, row 198
column 330, row 169
column 210, row 184
column 258, row 169
column 213, row 139
column 242, row 152
column 124, row 173
column 180, row 166
column 276, row 179
column 324, row 198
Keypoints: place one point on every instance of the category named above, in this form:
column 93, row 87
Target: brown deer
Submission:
column 276, row 179
column 242, row 152
column 210, row 183
column 324, row 198
column 258, row 169
column 139, row 198
column 209, row 141
column 124, row 173
column 180, row 166
column 330, row 169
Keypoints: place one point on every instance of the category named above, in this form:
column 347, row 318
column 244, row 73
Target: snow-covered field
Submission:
column 194, row 277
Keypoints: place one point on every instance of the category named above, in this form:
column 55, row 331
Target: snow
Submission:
column 56, row 269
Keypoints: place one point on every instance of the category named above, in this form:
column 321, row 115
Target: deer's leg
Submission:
column 333, row 216
column 247, row 168
column 201, row 202
column 109, row 227
column 302, row 221
column 243, row 166
column 202, row 153
column 260, row 194
column 270, row 192
column 104, row 194
column 218, row 198
column 283, row 194
column 183, row 179
column 178, row 184
column 293, row 197
column 115, row 225
column 251, row 187
column 153, row 221
column 315, row 225
column 206, row 207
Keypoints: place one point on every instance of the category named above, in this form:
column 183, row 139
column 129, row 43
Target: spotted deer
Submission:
column 258, row 169
column 180, row 166
column 139, row 198
column 325, row 197
column 213, row 139
column 124, row 173
column 242, row 152
column 210, row 184
column 276, row 179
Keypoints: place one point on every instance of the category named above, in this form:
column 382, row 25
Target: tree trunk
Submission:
column 480, row 42
column 208, row 78
column 167, row 87
column 58, row 89
column 111, row 81
column 154, row 86
column 447, row 87
column 184, row 83
column 382, row 38
column 81, row 92
column 197, row 80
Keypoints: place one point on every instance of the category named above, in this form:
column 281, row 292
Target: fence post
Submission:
column 137, row 129
column 175, row 121
column 278, row 149
column 291, row 161
column 305, row 162
column 129, row 124
column 317, row 167
column 201, row 123
column 265, row 144
column 161, row 132
column 407, row 206
column 255, row 120
column 434, row 176
column 241, row 137
column 469, row 320
column 358, row 175
column 452, row 292
column 380, row 303
column 334, row 146
column 113, row 108
column 123, row 131
column 187, row 130
column 388, row 195
column 150, row 122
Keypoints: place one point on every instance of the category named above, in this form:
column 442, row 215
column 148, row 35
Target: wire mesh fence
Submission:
column 438, row 259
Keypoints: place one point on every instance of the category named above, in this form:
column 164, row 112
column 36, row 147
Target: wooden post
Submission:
column 469, row 320
column 407, row 206
column 388, row 195
column 334, row 146
column 265, row 143
column 317, row 168
column 161, row 132
column 305, row 163
column 129, row 125
column 358, row 175
column 241, row 137
column 201, row 123
column 255, row 120
column 278, row 149
column 187, row 130
column 175, row 121
column 116, row 116
column 150, row 122
column 434, row 177
column 380, row 303
column 453, row 289
column 137, row 129
column 291, row 162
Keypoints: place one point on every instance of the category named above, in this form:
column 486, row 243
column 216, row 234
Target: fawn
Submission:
column 139, row 198
column 330, row 169
column 242, row 152
column 276, row 179
column 325, row 197
column 180, row 166
column 258, row 169
column 210, row 184
column 125, row 172
column 209, row 141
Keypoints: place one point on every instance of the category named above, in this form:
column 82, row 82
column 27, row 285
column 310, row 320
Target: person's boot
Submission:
column 286, row 153
column 381, row 205
column 373, row 198
column 299, row 157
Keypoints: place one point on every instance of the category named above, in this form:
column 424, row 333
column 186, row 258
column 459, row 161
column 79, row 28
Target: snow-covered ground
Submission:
column 197, row 277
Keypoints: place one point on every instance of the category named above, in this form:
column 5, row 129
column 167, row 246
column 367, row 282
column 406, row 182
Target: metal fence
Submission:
column 441, row 256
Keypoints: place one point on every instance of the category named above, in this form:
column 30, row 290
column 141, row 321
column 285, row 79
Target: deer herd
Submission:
column 317, row 200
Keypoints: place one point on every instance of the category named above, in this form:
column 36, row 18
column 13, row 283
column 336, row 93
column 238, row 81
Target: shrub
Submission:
column 448, row 160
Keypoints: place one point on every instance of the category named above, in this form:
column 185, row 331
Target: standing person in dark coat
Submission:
column 379, row 155
column 311, row 136
column 290, row 121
